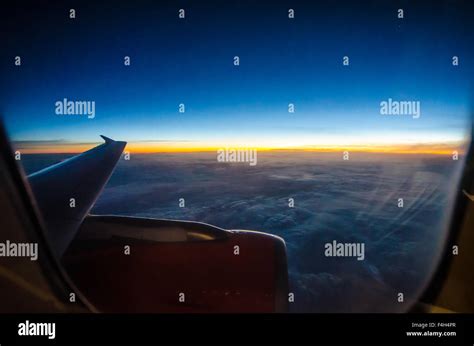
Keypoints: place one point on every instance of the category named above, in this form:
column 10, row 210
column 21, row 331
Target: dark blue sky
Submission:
column 190, row 61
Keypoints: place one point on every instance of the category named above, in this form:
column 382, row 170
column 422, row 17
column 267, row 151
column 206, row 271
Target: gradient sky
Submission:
column 190, row 61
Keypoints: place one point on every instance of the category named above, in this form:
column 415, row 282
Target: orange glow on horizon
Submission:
column 154, row 147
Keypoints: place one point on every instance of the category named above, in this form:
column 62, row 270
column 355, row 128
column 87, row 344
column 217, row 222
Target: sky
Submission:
column 282, row 61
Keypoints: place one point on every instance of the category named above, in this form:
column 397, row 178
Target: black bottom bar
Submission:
column 452, row 329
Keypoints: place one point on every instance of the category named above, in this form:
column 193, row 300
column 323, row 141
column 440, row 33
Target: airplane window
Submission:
column 340, row 130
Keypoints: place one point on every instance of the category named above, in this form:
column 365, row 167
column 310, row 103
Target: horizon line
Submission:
column 427, row 149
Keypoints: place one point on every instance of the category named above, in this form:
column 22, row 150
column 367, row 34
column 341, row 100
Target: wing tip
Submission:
column 110, row 141
column 107, row 139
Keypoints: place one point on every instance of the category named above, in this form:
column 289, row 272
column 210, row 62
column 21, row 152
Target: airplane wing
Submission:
column 65, row 192
column 221, row 270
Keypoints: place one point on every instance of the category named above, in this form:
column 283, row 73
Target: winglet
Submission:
column 107, row 139
column 82, row 176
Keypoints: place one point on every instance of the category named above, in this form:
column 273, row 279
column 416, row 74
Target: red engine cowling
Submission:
column 124, row 264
